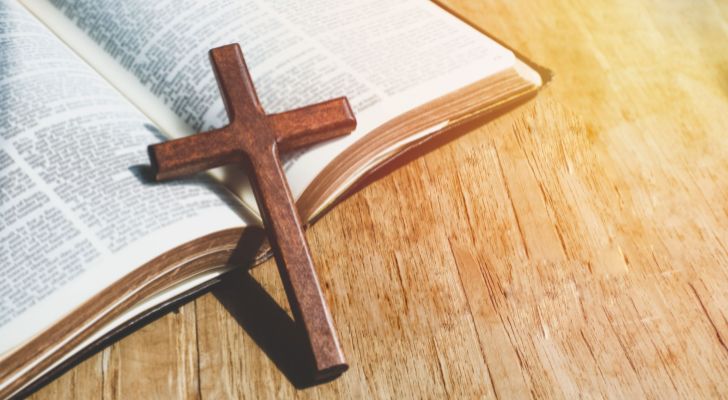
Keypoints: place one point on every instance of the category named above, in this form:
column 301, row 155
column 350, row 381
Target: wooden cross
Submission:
column 254, row 139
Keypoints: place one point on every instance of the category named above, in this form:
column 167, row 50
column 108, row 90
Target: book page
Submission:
column 386, row 57
column 76, row 211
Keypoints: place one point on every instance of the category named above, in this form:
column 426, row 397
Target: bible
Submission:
column 90, row 245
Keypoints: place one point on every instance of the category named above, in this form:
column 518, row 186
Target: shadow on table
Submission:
column 267, row 323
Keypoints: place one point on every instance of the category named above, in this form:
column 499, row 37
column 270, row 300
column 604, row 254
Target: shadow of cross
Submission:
column 254, row 139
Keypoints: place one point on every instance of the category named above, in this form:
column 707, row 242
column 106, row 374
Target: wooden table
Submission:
column 575, row 247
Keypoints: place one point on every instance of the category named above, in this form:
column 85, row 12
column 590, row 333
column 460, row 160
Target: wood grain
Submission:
column 575, row 247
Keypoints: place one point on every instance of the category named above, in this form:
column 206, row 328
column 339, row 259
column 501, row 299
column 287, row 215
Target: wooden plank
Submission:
column 574, row 247
column 158, row 361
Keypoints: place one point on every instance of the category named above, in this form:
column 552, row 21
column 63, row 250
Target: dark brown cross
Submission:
column 254, row 139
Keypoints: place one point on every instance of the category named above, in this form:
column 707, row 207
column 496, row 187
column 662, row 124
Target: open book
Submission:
column 88, row 245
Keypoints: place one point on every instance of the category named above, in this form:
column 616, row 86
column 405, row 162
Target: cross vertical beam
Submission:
column 254, row 139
